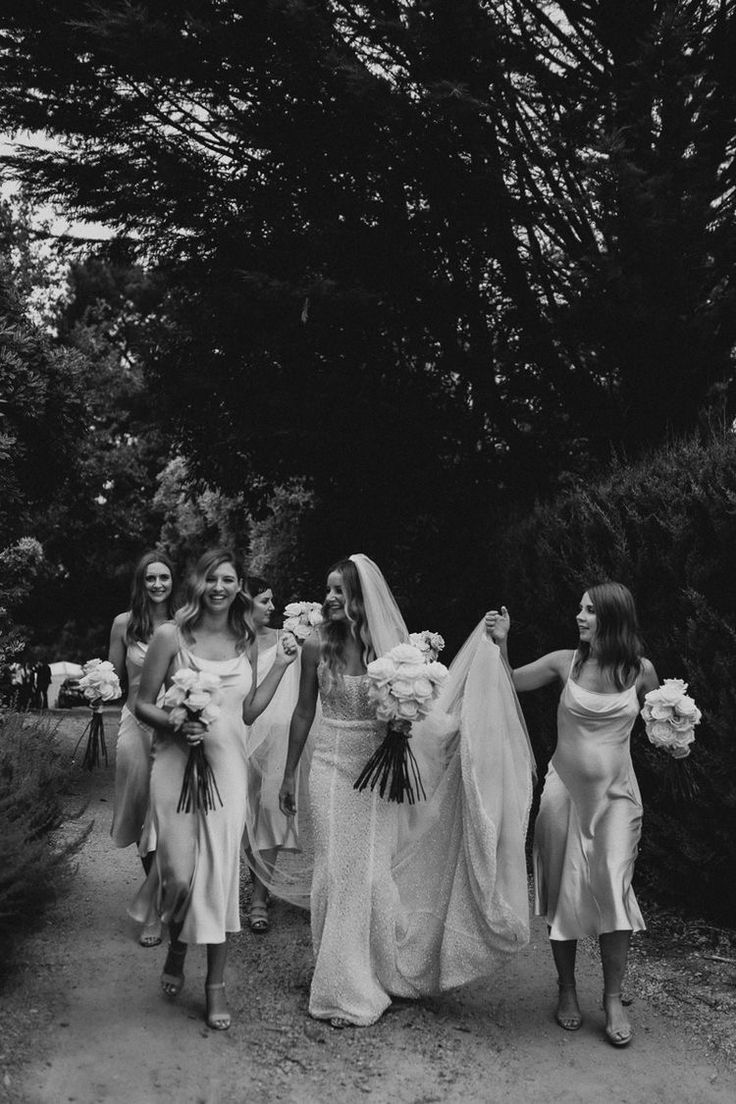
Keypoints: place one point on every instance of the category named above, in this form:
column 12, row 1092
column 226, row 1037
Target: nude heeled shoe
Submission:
column 620, row 1037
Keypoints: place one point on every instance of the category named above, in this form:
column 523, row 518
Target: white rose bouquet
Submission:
column 670, row 716
column 404, row 685
column 429, row 643
column 193, row 695
column 301, row 617
column 99, row 684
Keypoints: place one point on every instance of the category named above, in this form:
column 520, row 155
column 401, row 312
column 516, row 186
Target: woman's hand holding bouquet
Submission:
column 193, row 697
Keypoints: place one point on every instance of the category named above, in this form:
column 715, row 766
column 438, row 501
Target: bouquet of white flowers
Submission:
column 99, row 684
column 429, row 643
column 301, row 617
column 404, row 684
column 193, row 695
column 670, row 716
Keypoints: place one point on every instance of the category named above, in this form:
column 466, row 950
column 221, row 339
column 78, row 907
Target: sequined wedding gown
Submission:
column 408, row 902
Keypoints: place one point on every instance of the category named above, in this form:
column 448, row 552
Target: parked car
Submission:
column 70, row 693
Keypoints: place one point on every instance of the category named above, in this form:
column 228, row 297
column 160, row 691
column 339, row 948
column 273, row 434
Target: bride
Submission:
column 407, row 900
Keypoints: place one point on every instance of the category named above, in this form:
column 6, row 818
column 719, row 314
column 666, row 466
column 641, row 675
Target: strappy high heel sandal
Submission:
column 618, row 1037
column 172, row 984
column 569, row 1021
column 217, row 1020
column 151, row 934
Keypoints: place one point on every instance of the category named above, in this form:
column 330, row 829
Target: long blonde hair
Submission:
column 239, row 616
column 335, row 634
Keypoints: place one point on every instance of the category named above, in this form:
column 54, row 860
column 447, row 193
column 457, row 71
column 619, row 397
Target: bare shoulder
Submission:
column 561, row 661
column 648, row 678
column 121, row 622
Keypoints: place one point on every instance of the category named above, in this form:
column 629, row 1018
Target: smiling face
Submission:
column 263, row 607
column 221, row 587
column 334, row 603
column 586, row 620
column 158, row 583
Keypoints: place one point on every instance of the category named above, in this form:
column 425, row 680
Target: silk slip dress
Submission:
column 589, row 824
column 195, row 876
column 132, row 760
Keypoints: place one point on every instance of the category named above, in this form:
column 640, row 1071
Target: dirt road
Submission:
column 83, row 1020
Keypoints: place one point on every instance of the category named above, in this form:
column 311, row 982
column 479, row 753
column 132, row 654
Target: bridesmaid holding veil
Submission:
column 587, row 832
column 151, row 604
column 407, row 900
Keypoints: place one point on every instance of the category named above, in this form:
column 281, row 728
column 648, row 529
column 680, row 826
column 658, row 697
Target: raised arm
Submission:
column 553, row 667
column 548, row 668
column 260, row 695
column 116, row 648
column 301, row 722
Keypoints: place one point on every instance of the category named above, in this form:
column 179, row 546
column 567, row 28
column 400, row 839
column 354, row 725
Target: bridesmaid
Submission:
column 194, row 879
column 268, row 830
column 589, row 823
column 151, row 604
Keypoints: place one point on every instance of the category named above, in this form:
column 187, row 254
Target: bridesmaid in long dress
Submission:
column 151, row 604
column 268, row 831
column 194, row 879
column 587, row 832
column 407, row 901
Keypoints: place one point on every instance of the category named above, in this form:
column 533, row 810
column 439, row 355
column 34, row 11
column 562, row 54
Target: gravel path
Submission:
column 83, row 1021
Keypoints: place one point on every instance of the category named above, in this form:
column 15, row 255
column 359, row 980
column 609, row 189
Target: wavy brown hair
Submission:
column 618, row 644
column 335, row 635
column 239, row 617
column 140, row 623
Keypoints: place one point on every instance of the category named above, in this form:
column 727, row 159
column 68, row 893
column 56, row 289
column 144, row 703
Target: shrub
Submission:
column 666, row 527
column 36, row 866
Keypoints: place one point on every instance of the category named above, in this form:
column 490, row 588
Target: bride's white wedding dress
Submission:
column 407, row 901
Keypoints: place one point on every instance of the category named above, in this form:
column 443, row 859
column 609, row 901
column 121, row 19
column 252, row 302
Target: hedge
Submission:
column 36, row 864
column 666, row 527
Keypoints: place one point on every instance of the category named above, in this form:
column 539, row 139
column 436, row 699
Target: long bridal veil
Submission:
column 460, row 864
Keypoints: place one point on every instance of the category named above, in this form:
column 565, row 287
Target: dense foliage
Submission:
column 383, row 274
column 409, row 246
column 667, row 529
column 36, row 861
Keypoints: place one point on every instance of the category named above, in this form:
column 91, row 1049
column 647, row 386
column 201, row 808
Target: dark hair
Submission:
column 255, row 585
column 618, row 643
column 334, row 635
column 239, row 614
column 140, row 622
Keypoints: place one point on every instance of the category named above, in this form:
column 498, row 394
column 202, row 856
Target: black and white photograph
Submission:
column 367, row 551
